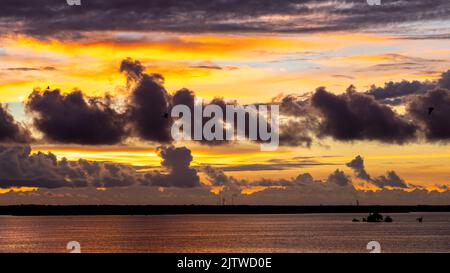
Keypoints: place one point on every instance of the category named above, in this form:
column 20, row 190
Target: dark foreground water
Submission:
column 225, row 233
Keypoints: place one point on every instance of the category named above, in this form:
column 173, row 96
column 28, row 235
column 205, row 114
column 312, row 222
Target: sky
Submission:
column 363, row 93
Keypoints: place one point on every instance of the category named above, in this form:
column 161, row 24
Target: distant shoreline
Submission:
column 43, row 210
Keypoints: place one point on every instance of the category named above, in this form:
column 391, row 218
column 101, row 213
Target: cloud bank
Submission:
column 144, row 113
column 52, row 18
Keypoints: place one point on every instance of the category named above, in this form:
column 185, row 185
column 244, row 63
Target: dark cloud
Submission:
column 399, row 89
column 218, row 177
column 390, row 180
column 351, row 116
column 339, row 178
column 149, row 103
column 367, row 116
column 397, row 92
column 55, row 17
column 21, row 168
column 336, row 181
column 444, row 81
column 293, row 105
column 187, row 97
column 436, row 125
column 357, row 164
column 75, row 182
column 133, row 69
column 10, row 130
column 304, row 179
column 74, row 118
column 177, row 161
column 148, row 107
column 46, row 68
column 298, row 131
column 355, row 116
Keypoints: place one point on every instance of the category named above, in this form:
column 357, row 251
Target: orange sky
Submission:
column 250, row 68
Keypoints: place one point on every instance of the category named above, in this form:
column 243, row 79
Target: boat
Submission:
column 374, row 217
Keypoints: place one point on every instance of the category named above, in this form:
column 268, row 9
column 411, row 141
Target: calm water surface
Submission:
column 225, row 233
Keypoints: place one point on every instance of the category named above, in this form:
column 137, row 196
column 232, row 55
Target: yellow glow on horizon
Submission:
column 18, row 189
column 254, row 189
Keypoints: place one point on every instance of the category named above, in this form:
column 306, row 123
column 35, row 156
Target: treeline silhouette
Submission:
column 37, row 210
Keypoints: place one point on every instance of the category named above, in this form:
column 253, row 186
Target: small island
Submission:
column 375, row 217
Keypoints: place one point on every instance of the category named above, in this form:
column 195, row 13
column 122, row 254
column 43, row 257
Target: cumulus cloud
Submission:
column 133, row 69
column 307, row 118
column 10, row 130
column 217, row 177
column 148, row 104
column 355, row 116
column 339, row 178
column 19, row 167
column 75, row 118
column 390, row 180
column 395, row 92
column 251, row 115
column 148, row 109
column 177, row 161
column 357, row 164
column 300, row 126
column 435, row 123
column 399, row 89
column 76, row 181
column 145, row 113
column 444, row 81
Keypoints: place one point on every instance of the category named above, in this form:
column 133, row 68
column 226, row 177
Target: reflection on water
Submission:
column 225, row 233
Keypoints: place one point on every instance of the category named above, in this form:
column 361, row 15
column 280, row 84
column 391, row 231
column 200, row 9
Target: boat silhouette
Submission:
column 375, row 217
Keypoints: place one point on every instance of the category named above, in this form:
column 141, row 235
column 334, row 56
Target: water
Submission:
column 225, row 233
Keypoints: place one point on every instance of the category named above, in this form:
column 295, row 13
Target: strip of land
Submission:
column 42, row 210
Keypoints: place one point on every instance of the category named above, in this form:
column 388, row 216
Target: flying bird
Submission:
column 430, row 110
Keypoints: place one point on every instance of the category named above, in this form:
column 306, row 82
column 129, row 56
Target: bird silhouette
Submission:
column 430, row 110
